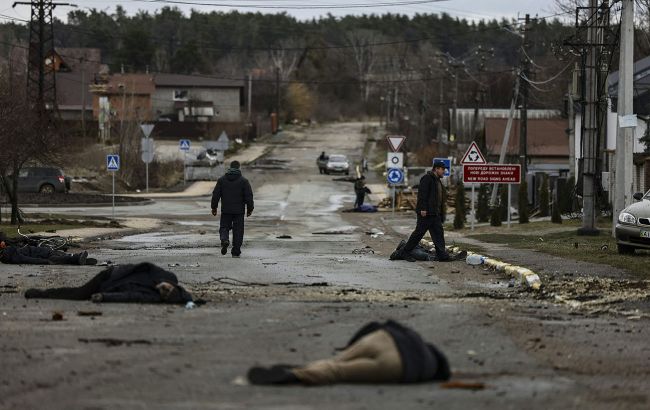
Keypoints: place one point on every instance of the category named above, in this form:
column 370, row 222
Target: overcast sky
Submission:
column 469, row 9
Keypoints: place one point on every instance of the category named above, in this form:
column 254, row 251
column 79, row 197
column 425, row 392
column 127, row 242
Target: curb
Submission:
column 521, row 274
column 90, row 205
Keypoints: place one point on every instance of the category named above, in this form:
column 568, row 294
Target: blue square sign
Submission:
column 447, row 162
column 113, row 162
column 184, row 145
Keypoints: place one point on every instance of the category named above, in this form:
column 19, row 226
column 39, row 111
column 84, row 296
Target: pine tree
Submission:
column 483, row 207
column 459, row 218
column 523, row 202
column 543, row 197
column 495, row 216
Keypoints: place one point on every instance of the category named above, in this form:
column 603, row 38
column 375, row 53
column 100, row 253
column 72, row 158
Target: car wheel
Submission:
column 625, row 249
column 46, row 189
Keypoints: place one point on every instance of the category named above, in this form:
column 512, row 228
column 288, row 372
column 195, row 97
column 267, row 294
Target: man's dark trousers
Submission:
column 433, row 224
column 236, row 223
column 361, row 196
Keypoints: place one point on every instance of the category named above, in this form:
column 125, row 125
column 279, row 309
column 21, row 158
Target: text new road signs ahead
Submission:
column 492, row 173
column 113, row 162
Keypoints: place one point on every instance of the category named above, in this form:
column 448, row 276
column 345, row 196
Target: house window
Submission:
column 181, row 95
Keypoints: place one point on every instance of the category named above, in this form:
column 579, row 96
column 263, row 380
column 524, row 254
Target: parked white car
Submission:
column 338, row 163
column 633, row 227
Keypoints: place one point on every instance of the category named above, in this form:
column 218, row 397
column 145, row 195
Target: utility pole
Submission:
column 590, row 137
column 523, row 112
column 41, row 80
column 625, row 132
column 277, row 93
column 250, row 96
column 572, row 128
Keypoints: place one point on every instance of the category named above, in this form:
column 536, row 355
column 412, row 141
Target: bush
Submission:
column 503, row 202
column 543, row 197
column 495, row 216
column 459, row 218
column 483, row 207
column 523, row 202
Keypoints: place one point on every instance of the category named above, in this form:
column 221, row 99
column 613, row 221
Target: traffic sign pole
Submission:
column 184, row 167
column 113, row 211
column 393, row 200
column 473, row 214
column 146, row 169
column 509, row 193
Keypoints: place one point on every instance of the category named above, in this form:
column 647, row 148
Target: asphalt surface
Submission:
column 296, row 299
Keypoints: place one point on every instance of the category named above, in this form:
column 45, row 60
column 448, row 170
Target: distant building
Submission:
column 547, row 143
column 197, row 98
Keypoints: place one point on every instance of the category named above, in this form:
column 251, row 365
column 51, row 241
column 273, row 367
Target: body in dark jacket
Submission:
column 421, row 361
column 378, row 353
column 142, row 282
column 236, row 196
column 36, row 255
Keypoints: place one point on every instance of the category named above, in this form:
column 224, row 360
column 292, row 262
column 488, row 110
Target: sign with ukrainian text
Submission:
column 492, row 173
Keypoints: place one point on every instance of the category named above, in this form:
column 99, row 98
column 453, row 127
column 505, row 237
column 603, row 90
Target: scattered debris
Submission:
column 363, row 251
column 175, row 265
column 284, row 237
column 56, row 316
column 89, row 313
column 336, row 231
column 109, row 341
column 457, row 384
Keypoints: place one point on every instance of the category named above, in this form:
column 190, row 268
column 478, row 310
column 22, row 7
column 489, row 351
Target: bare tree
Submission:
column 26, row 136
column 364, row 55
column 285, row 57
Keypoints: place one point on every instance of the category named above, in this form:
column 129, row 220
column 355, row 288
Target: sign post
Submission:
column 394, row 176
column 493, row 173
column 184, row 145
column 147, row 150
column 473, row 155
column 113, row 165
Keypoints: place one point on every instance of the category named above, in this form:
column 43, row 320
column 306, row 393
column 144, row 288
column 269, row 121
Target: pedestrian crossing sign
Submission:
column 113, row 162
column 184, row 145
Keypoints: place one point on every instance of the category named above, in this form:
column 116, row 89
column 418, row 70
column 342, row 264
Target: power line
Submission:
column 293, row 7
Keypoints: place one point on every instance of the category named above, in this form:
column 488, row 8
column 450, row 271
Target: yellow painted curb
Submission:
column 523, row 275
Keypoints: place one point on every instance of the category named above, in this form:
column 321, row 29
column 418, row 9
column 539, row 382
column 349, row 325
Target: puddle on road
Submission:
column 335, row 203
column 159, row 237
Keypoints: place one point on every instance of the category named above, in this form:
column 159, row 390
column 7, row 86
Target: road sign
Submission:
column 146, row 129
column 492, row 173
column 221, row 144
column 395, row 160
column 473, row 155
column 447, row 162
column 395, row 142
column 147, row 157
column 184, row 145
column 395, row 176
column 113, row 162
column 147, row 144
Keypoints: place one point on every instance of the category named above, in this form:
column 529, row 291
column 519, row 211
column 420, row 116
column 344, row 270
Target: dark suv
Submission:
column 46, row 180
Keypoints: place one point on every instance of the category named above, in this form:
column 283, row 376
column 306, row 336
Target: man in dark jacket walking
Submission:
column 430, row 212
column 236, row 196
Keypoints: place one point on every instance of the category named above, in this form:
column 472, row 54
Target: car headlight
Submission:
column 627, row 218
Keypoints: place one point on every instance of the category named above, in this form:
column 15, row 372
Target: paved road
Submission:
column 294, row 300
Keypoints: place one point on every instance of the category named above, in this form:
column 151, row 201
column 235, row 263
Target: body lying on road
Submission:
column 38, row 255
column 377, row 353
column 139, row 283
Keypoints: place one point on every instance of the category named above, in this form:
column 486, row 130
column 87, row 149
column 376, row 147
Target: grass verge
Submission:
column 567, row 244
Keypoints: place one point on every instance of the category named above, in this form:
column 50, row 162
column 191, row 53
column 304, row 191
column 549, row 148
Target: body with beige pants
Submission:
column 378, row 353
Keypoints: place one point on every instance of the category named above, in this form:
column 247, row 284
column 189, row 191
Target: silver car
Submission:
column 633, row 227
column 337, row 163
